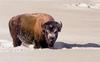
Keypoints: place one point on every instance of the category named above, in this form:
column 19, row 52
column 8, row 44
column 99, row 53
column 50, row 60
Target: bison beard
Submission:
column 28, row 29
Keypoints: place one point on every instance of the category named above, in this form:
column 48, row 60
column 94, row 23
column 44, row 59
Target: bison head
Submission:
column 51, row 29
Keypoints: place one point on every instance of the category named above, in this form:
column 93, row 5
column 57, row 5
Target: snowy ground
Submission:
column 79, row 40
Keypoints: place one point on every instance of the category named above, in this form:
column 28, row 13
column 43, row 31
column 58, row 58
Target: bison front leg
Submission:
column 37, row 45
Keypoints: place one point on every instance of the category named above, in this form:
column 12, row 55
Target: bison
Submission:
column 39, row 29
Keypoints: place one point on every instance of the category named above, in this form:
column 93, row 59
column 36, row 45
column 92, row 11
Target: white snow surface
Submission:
column 78, row 41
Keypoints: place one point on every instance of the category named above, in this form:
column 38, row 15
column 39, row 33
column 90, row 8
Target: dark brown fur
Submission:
column 27, row 28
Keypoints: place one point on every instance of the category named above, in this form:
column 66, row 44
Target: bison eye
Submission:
column 55, row 31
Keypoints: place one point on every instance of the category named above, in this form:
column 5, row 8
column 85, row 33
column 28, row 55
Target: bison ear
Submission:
column 59, row 25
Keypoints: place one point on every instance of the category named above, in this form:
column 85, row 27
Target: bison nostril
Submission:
column 52, row 38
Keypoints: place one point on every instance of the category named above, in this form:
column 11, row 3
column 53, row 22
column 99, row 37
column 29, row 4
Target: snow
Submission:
column 79, row 40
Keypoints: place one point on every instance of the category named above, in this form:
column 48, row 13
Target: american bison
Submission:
column 39, row 29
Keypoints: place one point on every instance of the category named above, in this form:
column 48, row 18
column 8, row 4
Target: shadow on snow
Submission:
column 60, row 45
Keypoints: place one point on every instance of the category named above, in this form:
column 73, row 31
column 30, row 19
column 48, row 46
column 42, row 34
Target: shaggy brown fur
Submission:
column 28, row 27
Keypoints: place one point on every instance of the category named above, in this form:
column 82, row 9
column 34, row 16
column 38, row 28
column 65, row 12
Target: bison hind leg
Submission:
column 16, row 42
column 14, row 30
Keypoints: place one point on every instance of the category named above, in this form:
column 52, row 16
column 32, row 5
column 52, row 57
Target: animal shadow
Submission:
column 60, row 45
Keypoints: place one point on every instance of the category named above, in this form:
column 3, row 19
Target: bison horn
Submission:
column 60, row 26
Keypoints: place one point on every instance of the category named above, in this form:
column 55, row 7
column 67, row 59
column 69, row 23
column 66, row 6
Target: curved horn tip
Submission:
column 61, row 23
